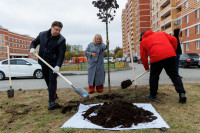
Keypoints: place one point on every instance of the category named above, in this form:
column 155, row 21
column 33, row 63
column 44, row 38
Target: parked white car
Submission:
column 111, row 59
column 20, row 67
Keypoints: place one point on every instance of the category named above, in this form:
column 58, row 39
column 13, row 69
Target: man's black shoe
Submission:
column 182, row 98
column 53, row 105
column 153, row 98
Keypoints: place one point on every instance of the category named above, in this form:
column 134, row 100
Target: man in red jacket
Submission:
column 160, row 47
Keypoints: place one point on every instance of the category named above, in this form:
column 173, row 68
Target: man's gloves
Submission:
column 32, row 51
column 56, row 69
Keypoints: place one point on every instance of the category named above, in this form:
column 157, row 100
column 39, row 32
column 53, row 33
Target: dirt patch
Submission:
column 73, row 105
column 118, row 113
column 108, row 96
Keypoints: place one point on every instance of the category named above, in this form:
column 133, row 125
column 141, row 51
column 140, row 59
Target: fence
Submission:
column 83, row 66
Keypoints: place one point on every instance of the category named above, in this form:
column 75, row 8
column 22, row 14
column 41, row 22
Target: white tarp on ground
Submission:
column 77, row 121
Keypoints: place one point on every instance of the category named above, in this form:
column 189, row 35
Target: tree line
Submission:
column 69, row 54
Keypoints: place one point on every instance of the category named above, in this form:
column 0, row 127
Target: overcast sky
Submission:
column 78, row 17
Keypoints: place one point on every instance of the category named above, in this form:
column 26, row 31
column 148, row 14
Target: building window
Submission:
column 1, row 36
column 197, row 1
column 2, row 53
column 197, row 13
column 2, row 48
column 186, row 5
column 187, row 46
column 187, row 32
column 197, row 29
column 157, row 23
column 157, row 5
column 186, row 19
column 157, row 14
column 197, row 45
column 1, row 41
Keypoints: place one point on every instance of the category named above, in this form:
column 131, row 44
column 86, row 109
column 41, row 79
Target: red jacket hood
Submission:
column 146, row 34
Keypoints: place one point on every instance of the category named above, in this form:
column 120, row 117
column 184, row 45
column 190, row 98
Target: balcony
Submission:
column 164, row 2
column 166, row 21
column 168, row 30
column 165, row 11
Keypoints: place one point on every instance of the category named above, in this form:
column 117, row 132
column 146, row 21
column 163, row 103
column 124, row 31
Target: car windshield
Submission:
column 32, row 61
column 193, row 54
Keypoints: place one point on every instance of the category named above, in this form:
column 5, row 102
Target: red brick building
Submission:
column 19, row 44
column 135, row 19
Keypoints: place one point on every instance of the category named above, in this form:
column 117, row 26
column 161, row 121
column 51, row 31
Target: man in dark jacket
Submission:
column 160, row 47
column 178, row 50
column 52, row 50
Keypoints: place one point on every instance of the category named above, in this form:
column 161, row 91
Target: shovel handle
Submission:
column 8, row 51
column 140, row 75
column 52, row 68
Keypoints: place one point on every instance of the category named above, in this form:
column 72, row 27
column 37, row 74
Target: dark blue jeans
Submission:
column 177, row 61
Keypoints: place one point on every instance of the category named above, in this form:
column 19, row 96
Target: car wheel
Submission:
column 38, row 74
column 2, row 75
column 185, row 65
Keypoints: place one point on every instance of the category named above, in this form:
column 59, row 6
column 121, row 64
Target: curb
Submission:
column 65, row 73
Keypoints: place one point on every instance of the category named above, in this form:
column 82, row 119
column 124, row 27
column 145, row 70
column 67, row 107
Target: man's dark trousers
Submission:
column 51, row 81
column 169, row 65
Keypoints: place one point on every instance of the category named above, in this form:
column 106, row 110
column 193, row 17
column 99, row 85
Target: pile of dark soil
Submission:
column 118, row 113
column 73, row 105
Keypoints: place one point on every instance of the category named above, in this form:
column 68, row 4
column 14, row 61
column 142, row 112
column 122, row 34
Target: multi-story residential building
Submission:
column 166, row 15
column 128, row 27
column 75, row 48
column 135, row 19
column 18, row 44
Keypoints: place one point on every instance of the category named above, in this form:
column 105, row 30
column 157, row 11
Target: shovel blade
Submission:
column 10, row 93
column 82, row 92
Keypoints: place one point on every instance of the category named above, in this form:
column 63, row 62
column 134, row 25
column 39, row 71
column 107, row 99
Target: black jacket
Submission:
column 52, row 48
column 176, row 34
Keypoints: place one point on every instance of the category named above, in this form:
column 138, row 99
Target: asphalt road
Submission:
column 79, row 79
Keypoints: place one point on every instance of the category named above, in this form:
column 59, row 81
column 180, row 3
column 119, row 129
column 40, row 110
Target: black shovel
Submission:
column 128, row 82
column 11, row 91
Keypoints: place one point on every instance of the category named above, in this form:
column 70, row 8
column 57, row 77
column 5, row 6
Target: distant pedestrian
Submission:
column 178, row 50
column 96, row 72
column 52, row 50
column 160, row 47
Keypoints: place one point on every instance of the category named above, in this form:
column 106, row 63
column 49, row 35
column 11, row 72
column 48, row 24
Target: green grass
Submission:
column 182, row 118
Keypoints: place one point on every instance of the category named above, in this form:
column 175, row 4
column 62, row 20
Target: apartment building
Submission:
column 18, row 44
column 166, row 15
column 75, row 48
column 135, row 19
column 128, row 27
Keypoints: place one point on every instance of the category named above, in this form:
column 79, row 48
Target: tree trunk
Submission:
column 109, row 89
